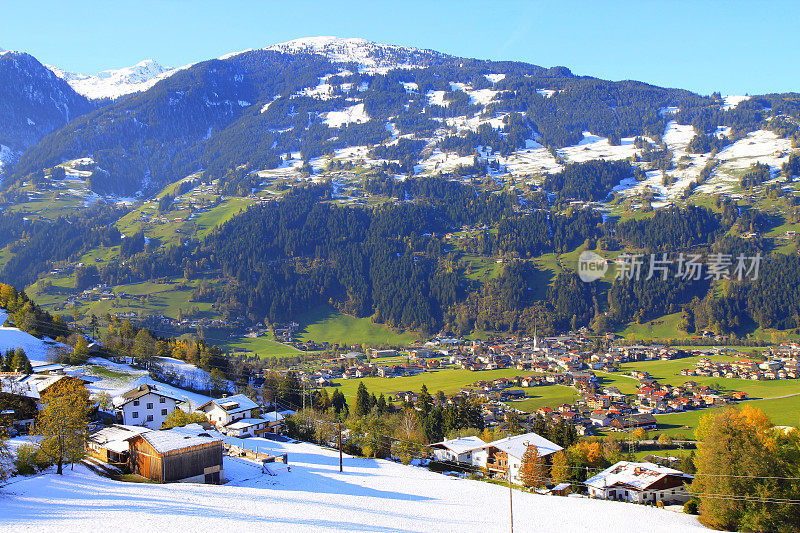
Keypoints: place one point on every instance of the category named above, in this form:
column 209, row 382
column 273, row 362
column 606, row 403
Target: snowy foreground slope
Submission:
column 371, row 495
column 11, row 338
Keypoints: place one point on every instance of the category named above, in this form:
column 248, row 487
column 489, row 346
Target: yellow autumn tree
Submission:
column 587, row 452
column 63, row 421
column 741, row 463
column 532, row 471
column 560, row 470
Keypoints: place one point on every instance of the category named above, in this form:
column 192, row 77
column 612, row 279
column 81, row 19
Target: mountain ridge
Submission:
column 249, row 109
column 115, row 83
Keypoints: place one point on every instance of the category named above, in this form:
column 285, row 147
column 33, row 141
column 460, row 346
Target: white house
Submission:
column 457, row 450
column 236, row 416
column 145, row 406
column 640, row 482
column 251, row 427
column 505, row 455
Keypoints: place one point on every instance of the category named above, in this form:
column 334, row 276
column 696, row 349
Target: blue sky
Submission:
column 733, row 46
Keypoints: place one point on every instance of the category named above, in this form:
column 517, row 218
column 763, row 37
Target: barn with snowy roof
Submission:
column 171, row 455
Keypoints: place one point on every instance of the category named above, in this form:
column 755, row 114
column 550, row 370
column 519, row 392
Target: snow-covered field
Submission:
column 758, row 146
column 36, row 349
column 594, row 147
column 355, row 113
column 370, row 495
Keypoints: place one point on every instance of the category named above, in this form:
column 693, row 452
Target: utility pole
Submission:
column 275, row 406
column 340, row 446
column 510, row 499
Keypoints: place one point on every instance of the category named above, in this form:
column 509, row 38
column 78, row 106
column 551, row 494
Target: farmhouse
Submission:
column 505, row 455
column 237, row 416
column 171, row 455
column 640, row 482
column 145, row 406
column 633, row 421
column 458, row 450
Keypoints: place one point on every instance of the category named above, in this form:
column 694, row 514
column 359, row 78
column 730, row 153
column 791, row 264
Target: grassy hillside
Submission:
column 325, row 324
column 261, row 346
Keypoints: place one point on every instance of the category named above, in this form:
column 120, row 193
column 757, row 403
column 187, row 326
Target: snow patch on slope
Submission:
column 593, row 147
column 352, row 114
column 733, row 100
column 116, row 83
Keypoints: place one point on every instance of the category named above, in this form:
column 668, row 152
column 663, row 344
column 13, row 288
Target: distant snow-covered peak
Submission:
column 367, row 53
column 116, row 83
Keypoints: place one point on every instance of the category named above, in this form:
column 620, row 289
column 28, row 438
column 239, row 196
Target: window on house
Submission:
column 149, row 405
column 135, row 402
column 162, row 400
column 134, row 414
column 149, row 418
column 164, row 412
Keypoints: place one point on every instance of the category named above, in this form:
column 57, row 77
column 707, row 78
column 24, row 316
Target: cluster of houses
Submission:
column 565, row 360
column 149, row 406
column 651, row 397
column 132, row 438
column 638, row 482
column 783, row 368
column 189, row 453
column 21, row 393
column 609, row 360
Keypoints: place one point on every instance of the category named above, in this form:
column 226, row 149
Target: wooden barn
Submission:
column 111, row 444
column 171, row 455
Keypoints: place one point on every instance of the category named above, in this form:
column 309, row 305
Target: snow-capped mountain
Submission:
column 369, row 54
column 116, row 83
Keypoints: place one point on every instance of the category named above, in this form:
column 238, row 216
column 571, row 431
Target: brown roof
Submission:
column 142, row 390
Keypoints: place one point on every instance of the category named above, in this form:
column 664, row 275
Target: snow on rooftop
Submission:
column 461, row 444
column 164, row 441
column 517, row 445
column 123, row 378
column 639, row 475
column 235, row 403
column 370, row 495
